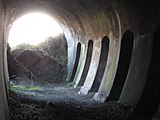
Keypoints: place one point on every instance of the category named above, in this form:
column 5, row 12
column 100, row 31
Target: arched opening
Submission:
column 102, row 63
column 150, row 98
column 123, row 65
column 36, row 53
column 87, row 62
column 83, row 19
column 76, row 61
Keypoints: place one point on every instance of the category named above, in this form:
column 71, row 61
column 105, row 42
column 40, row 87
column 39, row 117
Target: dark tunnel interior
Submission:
column 103, row 65
column 87, row 63
column 123, row 65
column 150, row 98
column 76, row 61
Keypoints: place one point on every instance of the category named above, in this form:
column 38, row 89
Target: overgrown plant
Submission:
column 20, row 88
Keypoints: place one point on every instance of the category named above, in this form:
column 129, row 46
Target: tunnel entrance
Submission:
column 102, row 64
column 76, row 61
column 36, row 98
column 123, row 65
column 87, row 62
column 37, row 72
column 150, row 98
column 38, row 50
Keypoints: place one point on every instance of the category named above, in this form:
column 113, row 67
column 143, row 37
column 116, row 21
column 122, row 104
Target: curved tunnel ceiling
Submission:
column 82, row 20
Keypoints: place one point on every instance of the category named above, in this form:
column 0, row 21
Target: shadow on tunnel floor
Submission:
column 61, row 103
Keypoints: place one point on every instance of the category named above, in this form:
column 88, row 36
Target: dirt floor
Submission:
column 60, row 102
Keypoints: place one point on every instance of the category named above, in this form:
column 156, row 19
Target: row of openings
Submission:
column 149, row 95
column 123, row 65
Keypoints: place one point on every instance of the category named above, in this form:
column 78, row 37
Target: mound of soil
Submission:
column 16, row 70
column 44, row 67
column 29, row 58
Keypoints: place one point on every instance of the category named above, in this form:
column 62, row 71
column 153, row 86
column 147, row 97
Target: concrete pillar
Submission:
column 3, row 94
column 71, row 55
column 71, row 45
column 92, row 69
column 138, row 70
column 81, row 65
column 110, row 71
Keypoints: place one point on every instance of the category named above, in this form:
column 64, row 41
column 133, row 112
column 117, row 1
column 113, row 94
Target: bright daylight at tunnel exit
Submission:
column 33, row 28
column 79, row 60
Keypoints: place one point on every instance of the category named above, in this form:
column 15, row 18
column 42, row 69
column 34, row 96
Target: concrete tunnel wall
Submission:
column 3, row 91
column 82, row 21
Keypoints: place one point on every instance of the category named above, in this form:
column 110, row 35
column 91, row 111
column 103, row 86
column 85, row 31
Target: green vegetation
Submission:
column 20, row 88
column 56, row 47
column 53, row 46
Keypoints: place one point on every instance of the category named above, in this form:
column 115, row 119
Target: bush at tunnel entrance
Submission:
column 47, row 61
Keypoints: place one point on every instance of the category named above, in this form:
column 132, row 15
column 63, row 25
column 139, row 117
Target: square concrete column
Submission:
column 110, row 71
column 71, row 53
column 81, row 65
column 92, row 69
column 138, row 70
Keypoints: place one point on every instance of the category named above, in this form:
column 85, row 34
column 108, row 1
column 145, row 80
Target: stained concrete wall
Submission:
column 82, row 20
column 3, row 91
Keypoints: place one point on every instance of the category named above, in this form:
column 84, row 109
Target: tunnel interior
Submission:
column 76, row 61
column 111, row 77
column 47, row 48
column 150, row 98
column 123, row 65
column 87, row 62
column 102, row 63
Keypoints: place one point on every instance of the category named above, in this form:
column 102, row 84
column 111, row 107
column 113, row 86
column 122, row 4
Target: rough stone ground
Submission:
column 60, row 102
